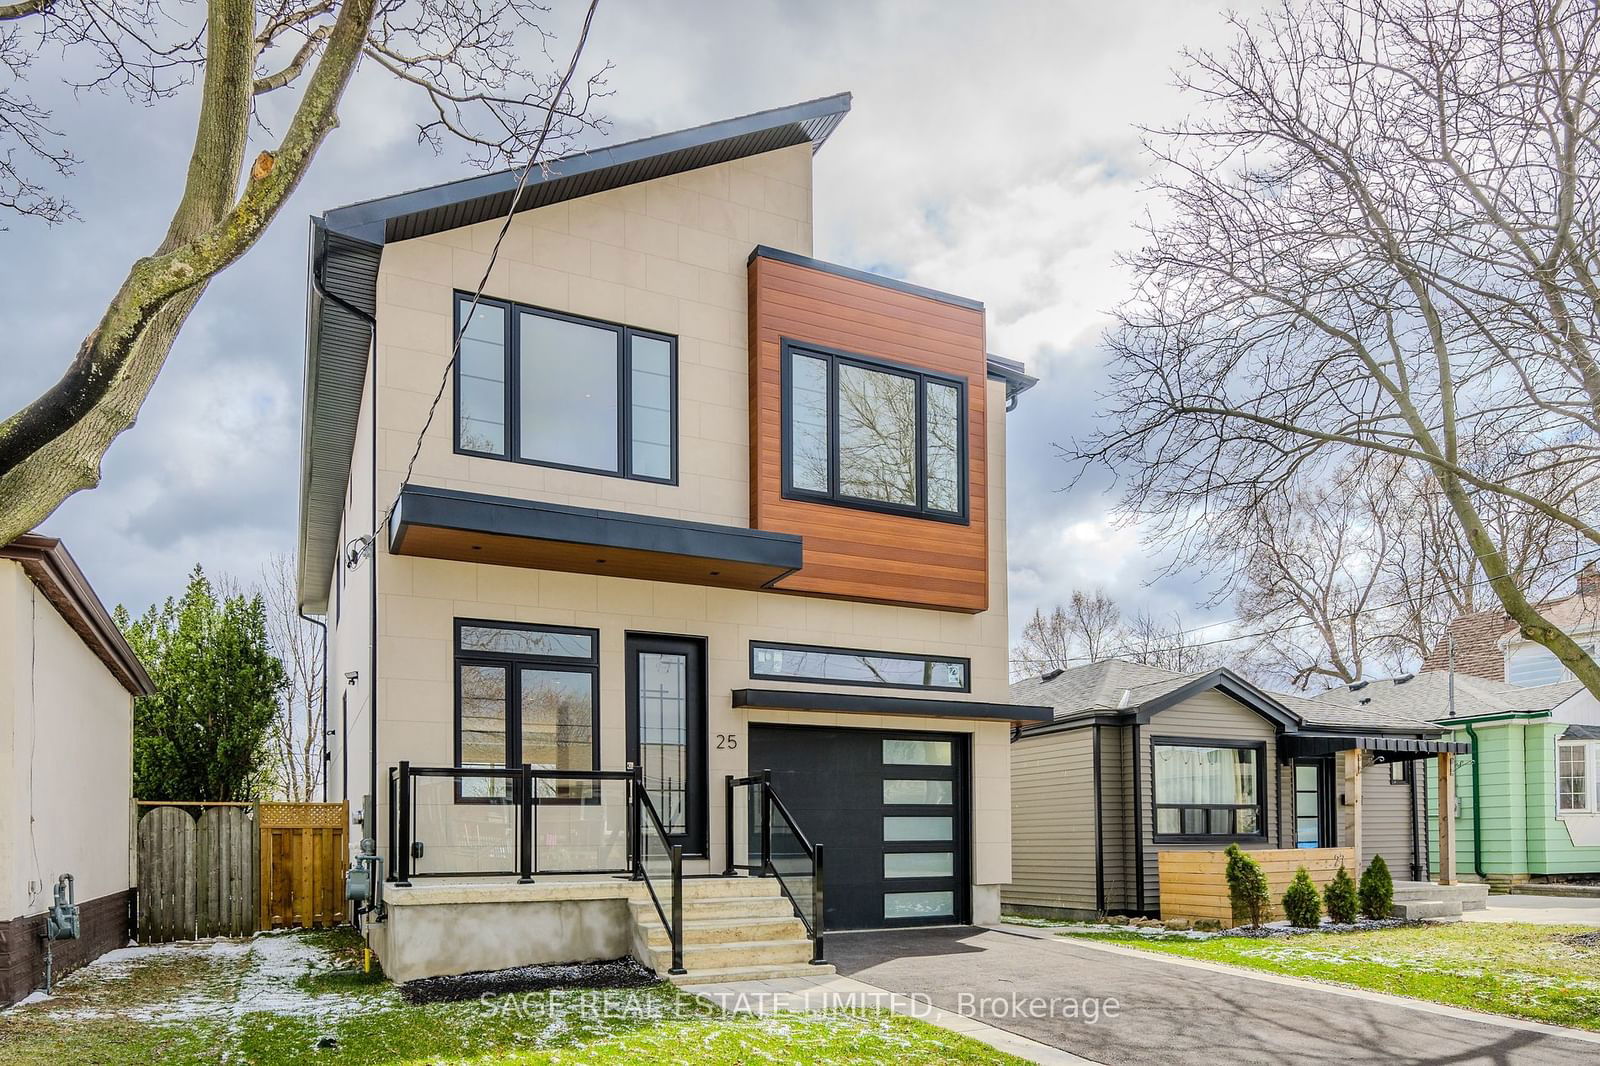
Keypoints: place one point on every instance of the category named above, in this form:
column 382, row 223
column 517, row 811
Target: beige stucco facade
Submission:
column 667, row 255
column 66, row 757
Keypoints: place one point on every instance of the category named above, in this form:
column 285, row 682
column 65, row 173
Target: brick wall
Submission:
column 104, row 926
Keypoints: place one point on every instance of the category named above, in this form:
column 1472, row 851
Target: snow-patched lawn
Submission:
column 302, row 998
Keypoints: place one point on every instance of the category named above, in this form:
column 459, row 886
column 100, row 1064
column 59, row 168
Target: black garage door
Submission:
column 891, row 810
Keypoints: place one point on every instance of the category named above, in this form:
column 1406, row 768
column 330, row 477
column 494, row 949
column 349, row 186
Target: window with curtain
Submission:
column 1209, row 790
column 1575, row 785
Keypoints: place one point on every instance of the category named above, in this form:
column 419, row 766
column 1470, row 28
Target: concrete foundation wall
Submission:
column 439, row 940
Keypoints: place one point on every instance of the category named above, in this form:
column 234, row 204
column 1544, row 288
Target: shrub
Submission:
column 1377, row 889
column 1247, row 887
column 1301, row 904
column 1340, row 898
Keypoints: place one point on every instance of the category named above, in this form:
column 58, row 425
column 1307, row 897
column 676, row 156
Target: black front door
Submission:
column 667, row 732
column 890, row 808
column 1314, row 808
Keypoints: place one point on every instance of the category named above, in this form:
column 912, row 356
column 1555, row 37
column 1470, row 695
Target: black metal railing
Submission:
column 655, row 848
column 454, row 821
column 777, row 848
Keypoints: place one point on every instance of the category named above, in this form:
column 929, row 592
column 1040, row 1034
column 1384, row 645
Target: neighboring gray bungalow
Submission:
column 1218, row 761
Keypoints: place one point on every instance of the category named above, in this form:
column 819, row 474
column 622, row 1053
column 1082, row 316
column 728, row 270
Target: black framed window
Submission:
column 552, row 389
column 862, row 432
column 1208, row 789
column 526, row 694
column 848, row 666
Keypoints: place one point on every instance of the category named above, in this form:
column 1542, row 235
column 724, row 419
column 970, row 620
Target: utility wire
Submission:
column 1180, row 634
column 364, row 543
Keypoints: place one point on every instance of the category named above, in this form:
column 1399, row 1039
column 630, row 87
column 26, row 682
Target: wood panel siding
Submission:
column 1194, row 884
column 1052, row 824
column 852, row 553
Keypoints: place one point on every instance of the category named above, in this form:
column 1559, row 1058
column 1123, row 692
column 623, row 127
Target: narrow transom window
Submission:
column 538, row 386
column 847, row 666
column 867, row 433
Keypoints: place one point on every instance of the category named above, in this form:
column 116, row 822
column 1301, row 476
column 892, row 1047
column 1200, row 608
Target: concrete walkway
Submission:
column 1541, row 910
column 1118, row 1005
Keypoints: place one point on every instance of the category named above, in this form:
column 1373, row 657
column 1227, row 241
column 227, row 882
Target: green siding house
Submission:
column 1527, row 796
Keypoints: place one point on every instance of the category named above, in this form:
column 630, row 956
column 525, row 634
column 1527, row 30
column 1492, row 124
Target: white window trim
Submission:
column 1591, row 763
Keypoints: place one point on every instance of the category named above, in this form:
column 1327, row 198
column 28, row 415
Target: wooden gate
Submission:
column 243, row 867
column 303, row 860
column 166, row 875
column 225, row 872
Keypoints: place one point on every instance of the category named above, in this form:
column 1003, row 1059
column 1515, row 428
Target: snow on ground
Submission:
column 233, row 978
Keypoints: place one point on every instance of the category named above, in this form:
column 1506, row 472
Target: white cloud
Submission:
column 991, row 151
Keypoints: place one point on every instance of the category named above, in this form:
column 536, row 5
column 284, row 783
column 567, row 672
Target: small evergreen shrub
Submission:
column 1247, row 887
column 1340, row 898
column 1377, row 889
column 1301, row 903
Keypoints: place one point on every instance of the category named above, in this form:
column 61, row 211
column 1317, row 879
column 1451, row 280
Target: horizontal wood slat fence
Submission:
column 1194, row 884
column 230, row 869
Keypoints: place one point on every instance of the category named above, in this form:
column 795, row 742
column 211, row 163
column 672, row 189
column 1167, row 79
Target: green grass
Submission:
column 271, row 1002
column 1537, row 972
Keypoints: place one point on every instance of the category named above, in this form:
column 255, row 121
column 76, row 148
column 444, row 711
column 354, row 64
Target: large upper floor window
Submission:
column 866, row 433
column 540, row 387
column 1208, row 789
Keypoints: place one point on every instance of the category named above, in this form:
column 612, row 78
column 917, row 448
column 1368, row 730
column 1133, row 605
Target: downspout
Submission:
column 1417, row 872
column 322, row 696
column 1477, row 820
column 372, row 658
column 1138, row 824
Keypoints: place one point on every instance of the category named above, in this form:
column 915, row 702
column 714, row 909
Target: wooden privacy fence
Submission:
column 1194, row 884
column 238, row 867
column 303, row 861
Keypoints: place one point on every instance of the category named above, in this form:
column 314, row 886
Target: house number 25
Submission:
column 727, row 741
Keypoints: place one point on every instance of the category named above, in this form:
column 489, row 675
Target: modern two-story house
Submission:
column 668, row 506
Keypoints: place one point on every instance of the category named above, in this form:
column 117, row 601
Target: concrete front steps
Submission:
column 1424, row 899
column 734, row 929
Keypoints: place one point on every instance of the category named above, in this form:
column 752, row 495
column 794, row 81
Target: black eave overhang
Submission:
column 854, row 703
column 422, row 505
column 1388, row 748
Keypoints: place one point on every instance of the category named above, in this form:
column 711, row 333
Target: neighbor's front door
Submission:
column 667, row 732
column 1313, row 804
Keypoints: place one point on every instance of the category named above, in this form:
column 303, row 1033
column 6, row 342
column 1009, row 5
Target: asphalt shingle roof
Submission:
column 1427, row 696
column 1113, row 685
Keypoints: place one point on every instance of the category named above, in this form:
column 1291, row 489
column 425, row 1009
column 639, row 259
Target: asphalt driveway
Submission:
column 1171, row 1013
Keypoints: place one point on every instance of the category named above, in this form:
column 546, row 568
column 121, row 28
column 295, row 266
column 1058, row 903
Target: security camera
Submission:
column 351, row 677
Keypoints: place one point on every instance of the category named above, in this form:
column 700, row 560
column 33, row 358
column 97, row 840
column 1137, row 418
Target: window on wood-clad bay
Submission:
column 535, row 386
column 526, row 694
column 1208, row 790
column 865, row 433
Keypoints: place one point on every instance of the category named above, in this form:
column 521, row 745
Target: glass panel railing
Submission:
column 580, row 824
column 791, row 863
column 463, row 822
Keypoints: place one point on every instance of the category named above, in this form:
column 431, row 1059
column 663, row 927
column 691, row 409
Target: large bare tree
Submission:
column 1382, row 240
column 465, row 59
column 299, row 730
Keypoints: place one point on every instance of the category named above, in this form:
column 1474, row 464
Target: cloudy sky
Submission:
column 992, row 151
